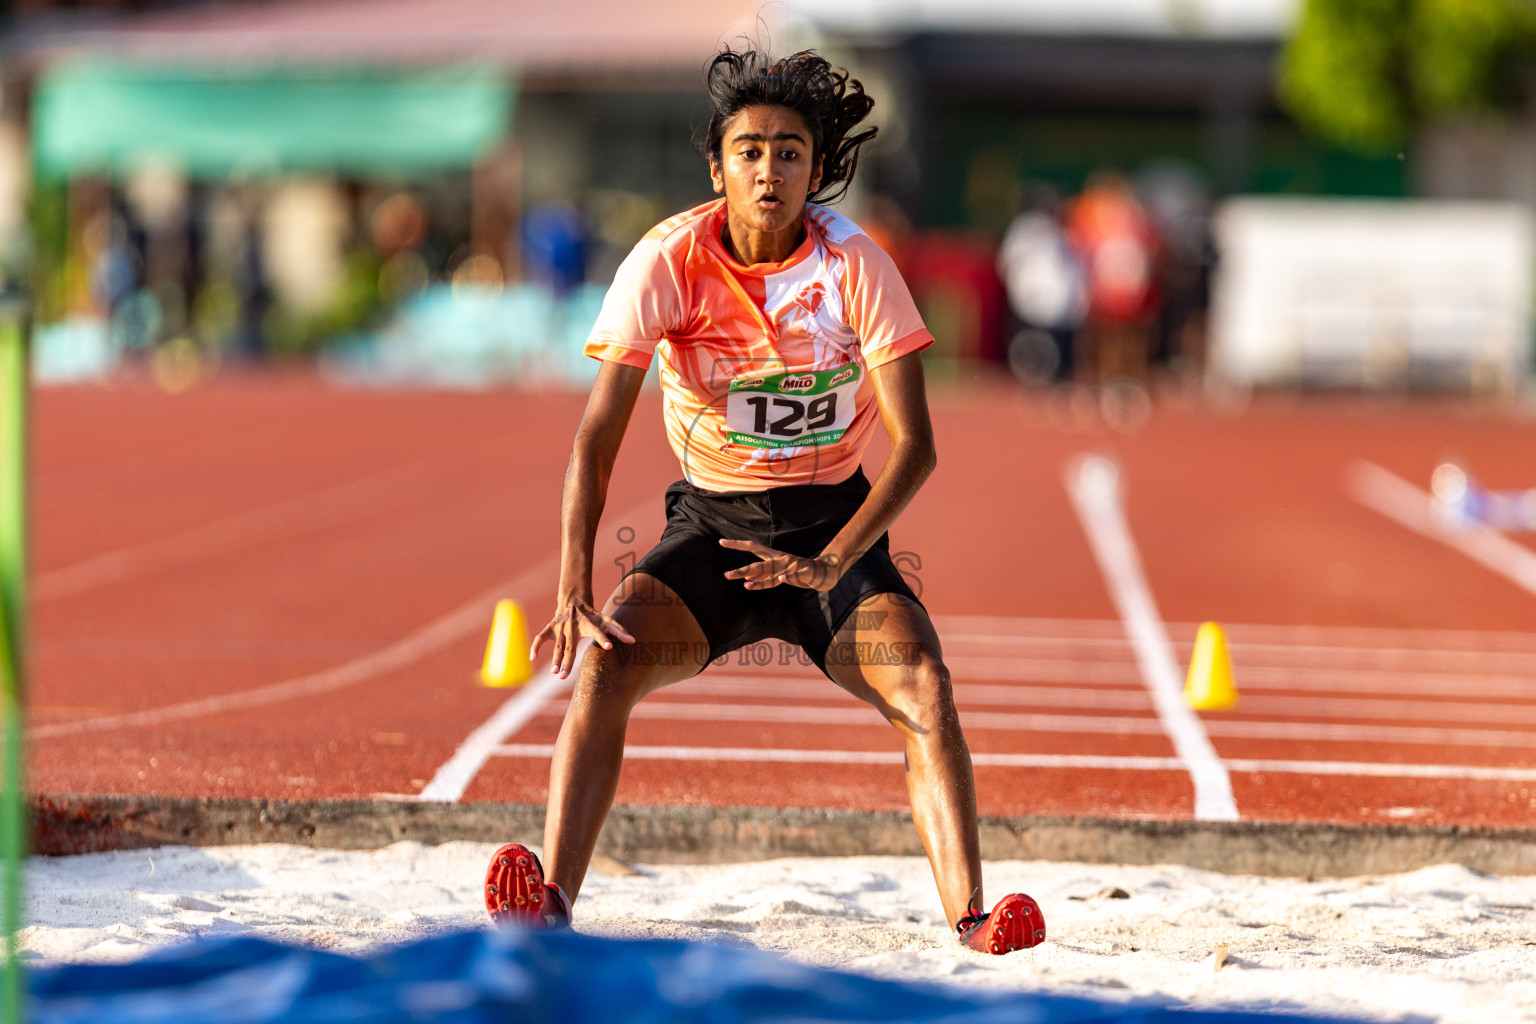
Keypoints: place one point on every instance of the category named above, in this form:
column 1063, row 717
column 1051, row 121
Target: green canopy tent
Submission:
column 92, row 117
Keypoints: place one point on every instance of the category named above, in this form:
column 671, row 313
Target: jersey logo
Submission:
column 814, row 309
column 801, row 383
column 811, row 297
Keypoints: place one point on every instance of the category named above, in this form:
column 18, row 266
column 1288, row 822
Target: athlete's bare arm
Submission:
column 903, row 399
column 586, row 490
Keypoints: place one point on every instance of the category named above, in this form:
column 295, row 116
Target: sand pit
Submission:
column 1441, row 944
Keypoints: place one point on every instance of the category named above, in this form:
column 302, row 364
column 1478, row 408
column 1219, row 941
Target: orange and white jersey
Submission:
column 764, row 369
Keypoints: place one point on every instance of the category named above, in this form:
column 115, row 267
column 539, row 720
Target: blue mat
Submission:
column 533, row 977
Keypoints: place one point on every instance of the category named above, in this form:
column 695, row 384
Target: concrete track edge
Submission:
column 700, row 835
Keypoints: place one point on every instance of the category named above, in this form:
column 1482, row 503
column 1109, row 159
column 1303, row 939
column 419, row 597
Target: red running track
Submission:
column 269, row 588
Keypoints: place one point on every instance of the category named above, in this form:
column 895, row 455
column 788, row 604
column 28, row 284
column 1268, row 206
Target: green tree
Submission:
column 1364, row 73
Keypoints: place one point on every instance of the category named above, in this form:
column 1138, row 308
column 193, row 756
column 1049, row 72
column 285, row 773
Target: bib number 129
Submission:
column 791, row 409
column 798, row 416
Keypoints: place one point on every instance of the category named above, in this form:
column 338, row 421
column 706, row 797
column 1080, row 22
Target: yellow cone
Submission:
column 1210, row 686
column 506, row 654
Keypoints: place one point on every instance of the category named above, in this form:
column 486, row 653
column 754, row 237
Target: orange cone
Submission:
column 506, row 653
column 1209, row 686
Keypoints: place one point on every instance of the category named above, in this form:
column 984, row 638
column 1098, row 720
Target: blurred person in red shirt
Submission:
column 1118, row 246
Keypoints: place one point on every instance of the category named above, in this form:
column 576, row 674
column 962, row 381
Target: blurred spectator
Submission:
column 398, row 229
column 1176, row 199
column 250, row 280
column 953, row 277
column 887, row 225
column 116, row 270
column 398, row 224
column 1117, row 243
column 1046, row 290
column 619, row 219
column 555, row 246
column 304, row 229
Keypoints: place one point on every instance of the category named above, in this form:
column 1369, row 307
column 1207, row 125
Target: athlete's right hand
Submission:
column 574, row 619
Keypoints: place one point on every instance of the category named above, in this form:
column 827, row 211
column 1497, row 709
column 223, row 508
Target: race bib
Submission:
column 784, row 410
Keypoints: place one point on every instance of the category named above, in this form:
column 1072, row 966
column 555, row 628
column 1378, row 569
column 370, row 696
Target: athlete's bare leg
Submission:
column 584, row 774
column 914, row 695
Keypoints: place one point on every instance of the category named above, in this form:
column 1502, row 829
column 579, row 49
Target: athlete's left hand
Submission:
column 776, row 567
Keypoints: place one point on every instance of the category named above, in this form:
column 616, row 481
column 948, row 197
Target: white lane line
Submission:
column 658, row 753
column 1054, row 670
column 1111, row 674
column 969, row 695
column 1278, row 655
column 1249, row 676
column 468, row 618
column 1006, row 625
column 471, row 617
column 1097, row 725
column 308, row 513
column 1459, row 710
column 783, row 756
column 1471, row 772
column 1385, row 657
column 1321, row 732
column 1094, row 485
column 1090, row 631
column 454, row 777
column 450, row 781
column 1360, row 681
column 799, row 714
column 1399, row 500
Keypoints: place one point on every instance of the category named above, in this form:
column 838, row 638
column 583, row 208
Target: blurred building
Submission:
column 277, row 174
column 273, row 174
column 992, row 103
column 996, row 102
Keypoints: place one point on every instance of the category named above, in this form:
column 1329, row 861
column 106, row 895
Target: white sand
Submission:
column 1442, row 944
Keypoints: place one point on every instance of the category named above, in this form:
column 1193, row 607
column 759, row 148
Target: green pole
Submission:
column 13, row 548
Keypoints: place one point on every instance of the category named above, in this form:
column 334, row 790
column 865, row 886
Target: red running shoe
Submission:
column 1015, row 923
column 516, row 893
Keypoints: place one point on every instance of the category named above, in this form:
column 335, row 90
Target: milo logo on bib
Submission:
column 786, row 410
column 803, row 382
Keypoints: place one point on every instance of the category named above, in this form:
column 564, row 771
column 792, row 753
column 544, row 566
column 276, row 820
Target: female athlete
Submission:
column 783, row 333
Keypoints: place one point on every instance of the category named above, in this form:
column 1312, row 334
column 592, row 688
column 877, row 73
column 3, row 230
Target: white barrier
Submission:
column 1373, row 293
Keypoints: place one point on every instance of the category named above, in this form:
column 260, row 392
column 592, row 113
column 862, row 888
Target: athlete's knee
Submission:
column 924, row 699
column 607, row 682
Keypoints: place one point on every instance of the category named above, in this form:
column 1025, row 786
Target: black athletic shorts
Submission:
column 799, row 519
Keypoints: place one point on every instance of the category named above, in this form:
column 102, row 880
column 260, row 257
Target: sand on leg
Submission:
column 589, row 752
column 902, row 674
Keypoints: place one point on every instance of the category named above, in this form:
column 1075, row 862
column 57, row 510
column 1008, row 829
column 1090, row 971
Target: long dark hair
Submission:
column 830, row 102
